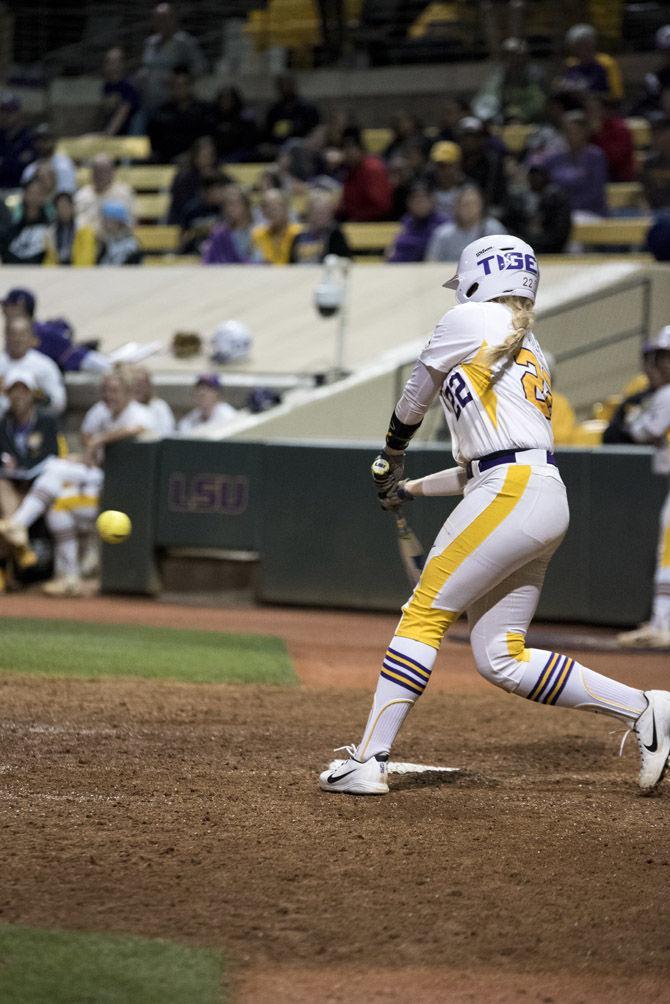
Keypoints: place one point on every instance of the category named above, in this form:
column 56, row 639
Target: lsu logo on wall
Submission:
column 211, row 494
column 510, row 261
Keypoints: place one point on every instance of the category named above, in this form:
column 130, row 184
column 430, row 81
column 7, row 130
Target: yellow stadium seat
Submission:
column 372, row 237
column 641, row 131
column 589, row 433
column 152, row 207
column 629, row 231
column 173, row 259
column 82, row 148
column 245, row 174
column 624, row 195
column 158, row 238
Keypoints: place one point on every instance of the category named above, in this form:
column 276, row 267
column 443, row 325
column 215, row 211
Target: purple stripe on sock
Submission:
column 394, row 664
column 531, row 695
column 399, row 683
column 553, row 676
column 554, row 699
column 409, row 659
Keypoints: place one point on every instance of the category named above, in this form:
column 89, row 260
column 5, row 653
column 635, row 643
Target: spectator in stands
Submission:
column 406, row 128
column 119, row 99
column 20, row 351
column 202, row 213
column 617, row 430
column 611, row 133
column 17, row 143
column 548, row 139
column 470, row 223
column 65, row 179
column 514, row 88
column 290, row 115
column 163, row 423
column 117, row 242
column 367, row 193
column 187, row 183
column 322, row 235
column 302, row 160
column 445, row 175
column 417, row 226
column 164, row 51
column 588, row 70
column 210, row 410
column 454, row 110
column 481, row 162
column 103, row 187
column 655, row 176
column 54, row 337
column 69, row 243
column 538, row 210
column 24, row 240
column 231, row 242
column 234, row 127
column 174, row 127
column 582, row 170
column 274, row 238
column 401, row 177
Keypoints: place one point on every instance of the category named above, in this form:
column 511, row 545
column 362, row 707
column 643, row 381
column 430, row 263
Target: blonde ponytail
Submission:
column 522, row 322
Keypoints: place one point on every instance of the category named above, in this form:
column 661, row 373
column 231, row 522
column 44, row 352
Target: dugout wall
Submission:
column 309, row 513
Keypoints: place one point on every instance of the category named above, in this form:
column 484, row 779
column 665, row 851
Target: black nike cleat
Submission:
column 355, row 777
column 652, row 731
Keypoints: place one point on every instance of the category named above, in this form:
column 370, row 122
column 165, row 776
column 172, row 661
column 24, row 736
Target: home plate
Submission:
column 397, row 767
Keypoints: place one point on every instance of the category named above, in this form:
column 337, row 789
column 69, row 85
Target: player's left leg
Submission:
column 498, row 625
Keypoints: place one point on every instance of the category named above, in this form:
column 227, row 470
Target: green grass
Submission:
column 76, row 648
column 61, row 967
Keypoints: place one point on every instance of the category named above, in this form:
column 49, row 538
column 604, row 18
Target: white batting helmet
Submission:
column 230, row 342
column 659, row 342
column 495, row 266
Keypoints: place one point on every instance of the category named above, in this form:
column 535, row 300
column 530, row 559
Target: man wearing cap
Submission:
column 210, row 411
column 28, row 437
column 103, row 187
column 62, row 165
column 482, row 162
column 17, row 147
column 19, row 349
column 445, row 175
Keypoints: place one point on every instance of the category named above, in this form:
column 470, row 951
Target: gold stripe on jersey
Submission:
column 516, row 646
column 421, row 620
column 665, row 549
column 479, row 376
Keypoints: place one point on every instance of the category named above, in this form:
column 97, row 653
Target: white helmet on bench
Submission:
column 495, row 266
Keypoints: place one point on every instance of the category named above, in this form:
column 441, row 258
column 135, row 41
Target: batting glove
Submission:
column 387, row 472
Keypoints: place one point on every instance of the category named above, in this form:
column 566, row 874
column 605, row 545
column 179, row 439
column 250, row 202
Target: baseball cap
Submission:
column 662, row 37
column 19, row 375
column 471, row 124
column 659, row 342
column 22, row 296
column 208, row 380
column 445, row 152
column 115, row 211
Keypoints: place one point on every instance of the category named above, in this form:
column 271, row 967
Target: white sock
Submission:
column 552, row 678
column 404, row 676
column 66, row 549
column 34, row 505
column 660, row 618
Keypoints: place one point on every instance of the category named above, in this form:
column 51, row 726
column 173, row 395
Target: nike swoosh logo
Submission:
column 332, row 779
column 654, row 743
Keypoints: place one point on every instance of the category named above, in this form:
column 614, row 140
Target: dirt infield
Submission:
column 191, row 812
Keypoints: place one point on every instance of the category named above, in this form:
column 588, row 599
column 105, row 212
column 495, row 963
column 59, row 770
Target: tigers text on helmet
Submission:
column 495, row 266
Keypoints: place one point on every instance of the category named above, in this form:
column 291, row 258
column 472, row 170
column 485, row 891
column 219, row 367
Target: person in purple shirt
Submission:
column 230, row 242
column 581, row 171
column 417, row 226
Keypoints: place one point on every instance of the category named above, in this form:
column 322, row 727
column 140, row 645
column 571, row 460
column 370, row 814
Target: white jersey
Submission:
column 504, row 408
column 99, row 419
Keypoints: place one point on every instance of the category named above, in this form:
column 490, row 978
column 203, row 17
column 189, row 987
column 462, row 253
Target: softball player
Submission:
column 651, row 424
column 490, row 557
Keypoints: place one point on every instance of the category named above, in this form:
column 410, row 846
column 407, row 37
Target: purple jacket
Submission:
column 228, row 247
column 414, row 237
column 583, row 178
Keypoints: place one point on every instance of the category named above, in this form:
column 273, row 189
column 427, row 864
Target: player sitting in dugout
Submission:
column 68, row 490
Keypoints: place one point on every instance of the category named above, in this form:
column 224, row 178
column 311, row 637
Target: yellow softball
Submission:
column 113, row 526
